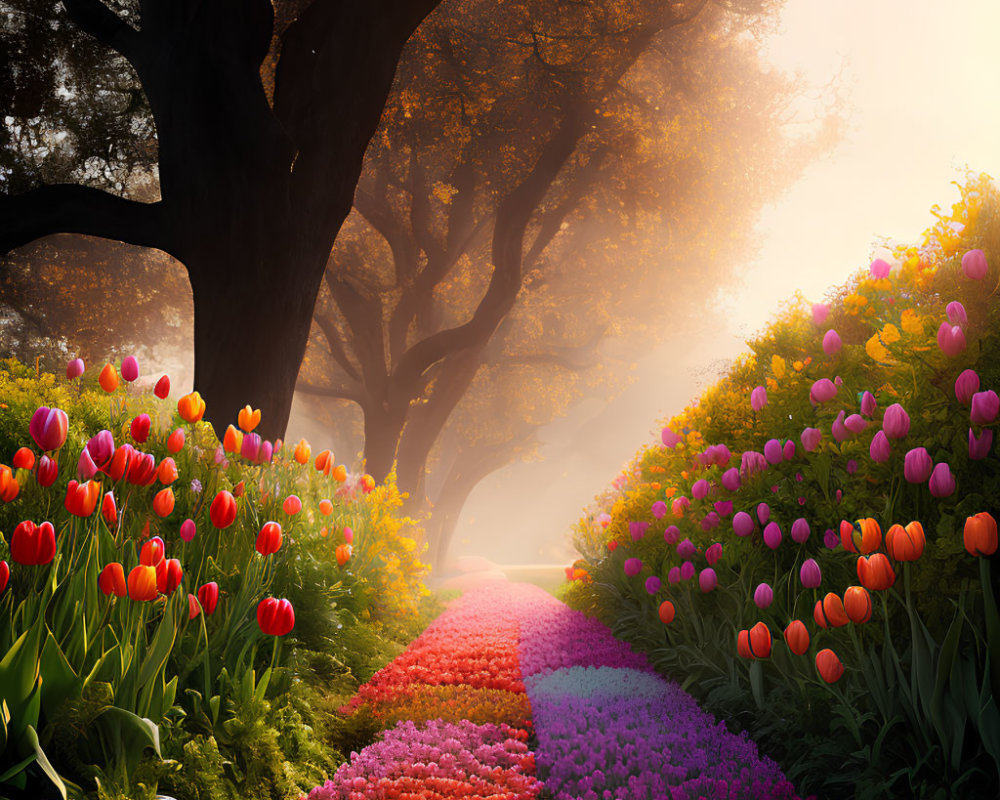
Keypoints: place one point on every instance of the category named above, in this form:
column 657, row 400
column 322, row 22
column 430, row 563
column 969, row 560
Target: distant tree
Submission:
column 544, row 178
column 261, row 124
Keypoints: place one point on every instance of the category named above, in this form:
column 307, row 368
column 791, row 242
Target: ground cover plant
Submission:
column 808, row 548
column 179, row 614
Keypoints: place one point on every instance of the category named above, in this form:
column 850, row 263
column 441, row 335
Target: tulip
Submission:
column 674, row 575
column 855, row 423
column 700, row 489
column 810, row 574
column 326, row 508
column 864, row 536
column 151, row 553
column 838, row 429
column 194, row 607
column 368, row 484
column 168, row 575
column 324, row 462
column 81, row 498
column 238, row 489
column 175, row 441
column 4, row 575
column 979, row 534
column 632, row 566
column 74, row 369
column 831, row 342
column 723, row 507
column 763, row 512
column 120, row 462
column 671, row 534
column 86, row 467
column 686, row 549
column 191, row 407
column 208, row 596
column 760, row 641
column 108, row 379
column 858, row 604
column 830, row 612
column 758, row 398
column 24, row 458
column 9, row 487
column 141, row 469
column 162, row 388
column 142, row 583
column 772, row 452
column 752, row 462
column 731, row 479
column 163, row 502
column 49, row 427
column 713, row 553
column 348, row 535
column 687, row 570
column 188, row 530
column 956, row 314
column 32, row 544
column 101, row 447
column 966, row 385
column 742, row 523
column 293, row 505
column 666, row 612
column 800, row 531
column 140, row 428
column 820, row 311
column 950, row 339
column 652, row 584
column 112, row 580
column 222, row 511
column 166, row 473
column 678, row 506
column 250, row 448
column 109, row 510
column 47, row 471
column 248, row 418
column 979, row 446
column 868, row 404
column 743, row 644
column 879, row 269
column 670, row 439
column 875, row 572
column 339, row 473
column 707, row 579
column 763, row 595
column 822, row 391
column 772, row 535
column 659, row 509
column 276, row 617
column 985, row 406
column 810, row 439
column 797, row 637
column 637, row 530
column 974, row 265
column 917, row 465
column 829, row 666
column 269, row 539
column 789, row 450
column 942, row 482
column 266, row 451
column 831, row 539
column 879, row 449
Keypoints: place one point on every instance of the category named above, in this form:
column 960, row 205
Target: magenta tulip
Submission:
column 633, row 566
column 966, row 385
column 130, row 368
column 250, row 448
column 839, row 429
column 800, row 530
column 974, row 265
column 879, row 449
column 942, row 482
column 674, row 575
column 831, row 342
column 709, row 521
column 822, row 391
column 101, row 447
column 956, row 314
column 820, row 312
column 758, row 398
column 789, row 450
column 687, row 570
column 723, row 507
column 713, row 553
column 950, row 339
column 659, row 509
column 731, row 479
column 810, row 439
column 979, row 447
column 879, row 269
column 985, row 406
column 752, row 462
column 810, row 573
column 773, row 452
column 855, row 423
column 700, row 489
column 652, row 584
column 670, row 439
column 917, row 465
column 266, row 453
column 74, row 369
column 686, row 549
column 772, row 535
column 763, row 595
column 707, row 579
column 763, row 512
column 671, row 533
column 49, row 428
column 188, row 530
column 868, row 404
column 637, row 530
column 742, row 524
column 86, row 467
column 831, row 539
column 896, row 422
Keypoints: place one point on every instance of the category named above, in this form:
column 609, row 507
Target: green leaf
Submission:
column 60, row 682
column 44, row 763
column 757, row 682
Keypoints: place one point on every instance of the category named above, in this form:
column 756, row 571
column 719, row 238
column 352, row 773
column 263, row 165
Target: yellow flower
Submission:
column 878, row 351
column 778, row 366
column 911, row 322
column 797, row 366
column 890, row 334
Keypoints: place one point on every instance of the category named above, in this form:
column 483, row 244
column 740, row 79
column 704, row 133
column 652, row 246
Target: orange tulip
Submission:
column 865, row 535
column 367, row 483
column 302, row 451
column 151, row 552
column 905, row 544
column 9, row 487
column 248, row 418
column 166, row 473
column 830, row 611
column 81, row 498
column 858, row 604
column 875, row 572
column 980, row 534
column 667, row 612
column 743, row 644
column 163, row 502
column 109, row 510
column 232, row 441
column 343, row 553
column 340, row 473
column 760, row 641
column 829, row 666
column 191, row 407
column 108, row 378
column 324, row 462
column 325, row 508
column 142, row 583
column 24, row 458
column 112, row 580
column 797, row 637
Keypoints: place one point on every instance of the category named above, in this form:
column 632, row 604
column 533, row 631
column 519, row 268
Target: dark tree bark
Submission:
column 252, row 193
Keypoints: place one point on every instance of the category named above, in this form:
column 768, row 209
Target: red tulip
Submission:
column 292, row 504
column 666, row 612
column 163, row 502
column 4, row 575
column 222, row 512
column 760, row 641
column 797, row 637
column 112, row 580
column 130, row 368
column 140, row 427
column 830, row 612
column 151, row 553
column 275, row 616
column 175, row 441
column 101, row 447
column 24, row 458
column 743, row 644
column 979, row 535
column 194, row 607
column 141, row 469
column 49, row 427
column 119, row 464
column 905, row 544
column 47, row 471
column 162, row 388
column 109, row 510
column 208, row 596
column 81, row 498
column 858, row 604
column 168, row 575
column 142, row 583
column 85, row 467
column 188, row 530
column 829, row 666
column 875, row 572
column 269, row 539
column 343, row 554
column 865, row 535
column 33, row 544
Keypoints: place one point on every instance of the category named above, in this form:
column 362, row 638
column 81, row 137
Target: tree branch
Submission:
column 95, row 18
column 67, row 208
column 340, row 392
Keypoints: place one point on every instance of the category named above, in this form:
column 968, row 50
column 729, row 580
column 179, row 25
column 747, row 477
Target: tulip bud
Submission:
column 905, row 544
column 829, row 666
column 763, row 512
column 800, row 530
column 686, row 549
column 831, row 342
column 707, row 579
column 140, row 428
column 758, row 398
column 652, row 584
column 979, row 534
column 985, row 406
column 822, row 391
column 797, row 637
column 810, row 574
column 875, row 572
column 838, row 429
column 810, row 439
column 956, row 314
column 188, row 530
column 950, row 339
column 896, row 422
column 208, row 596
column 632, row 567
column 789, row 450
column 731, row 479
column 293, row 505
column 162, row 388
column 659, row 509
column 772, row 535
column 108, row 379
column 637, row 530
column 760, row 641
column 49, row 428
column 742, row 523
column 700, row 489
column 868, row 404
column 974, row 265
column 74, row 369
column 879, row 450
column 687, row 570
column 130, row 368
column 763, row 595
column 713, row 553
column 879, row 269
column 966, row 385
column 666, row 612
column 674, row 575
column 942, row 482
column 275, row 616
column 670, row 534
column 47, row 471
column 917, row 465
column 820, row 311
column 855, row 423
column 979, row 446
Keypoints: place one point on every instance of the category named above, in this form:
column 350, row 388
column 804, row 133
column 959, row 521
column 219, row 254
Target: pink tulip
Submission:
column 831, row 342
column 671, row 533
column 250, row 449
column 879, row 449
column 723, row 507
column 820, row 312
column 810, row 573
column 966, row 385
column 636, row 529
column 789, row 450
column 773, row 452
column 763, row 512
column 822, row 391
column 868, row 404
column 686, row 549
column 74, row 369
column 266, row 452
column 659, row 509
column 101, row 447
column 810, row 439
column 49, row 428
column 633, row 566
column 838, row 381
column 130, row 368
column 188, row 530
column 687, row 570
column 839, row 429
column 713, row 553
column 707, row 579
column 758, row 398
column 979, row 447
column 670, row 439
column 700, row 489
column 896, row 422
column 855, row 423
column 985, row 406
column 800, row 530
column 652, row 584
column 950, row 339
column 674, row 575
column 942, row 482
column 772, row 535
column 974, row 265
column 742, row 524
column 86, row 466
column 879, row 269
column 956, row 314
column 731, row 479
column 831, row 539
column 763, row 595
column 917, row 465
column 752, row 462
